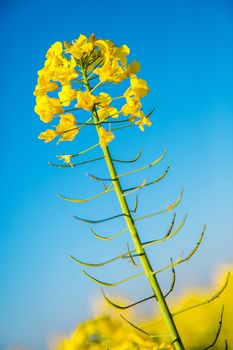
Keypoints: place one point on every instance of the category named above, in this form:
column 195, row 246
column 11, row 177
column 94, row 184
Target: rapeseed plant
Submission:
column 75, row 79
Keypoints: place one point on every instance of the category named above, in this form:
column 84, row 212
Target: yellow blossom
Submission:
column 105, row 110
column 110, row 52
column 104, row 113
column 110, row 71
column 111, row 333
column 67, row 127
column 121, row 53
column 112, row 112
column 85, row 100
column 132, row 106
column 66, row 158
column 79, row 47
column 142, row 121
column 103, row 100
column 103, row 72
column 47, row 135
column 66, row 95
column 46, row 107
column 60, row 68
column 44, row 85
column 139, row 86
column 105, row 47
column 133, row 67
column 105, row 137
column 57, row 67
column 115, row 335
column 54, row 50
column 129, row 93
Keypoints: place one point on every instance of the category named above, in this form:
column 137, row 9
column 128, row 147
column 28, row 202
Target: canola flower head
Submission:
column 74, row 77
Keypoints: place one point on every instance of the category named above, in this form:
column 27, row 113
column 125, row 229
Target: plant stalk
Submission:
column 175, row 337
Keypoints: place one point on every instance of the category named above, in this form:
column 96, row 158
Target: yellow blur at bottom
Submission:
column 106, row 332
column 198, row 327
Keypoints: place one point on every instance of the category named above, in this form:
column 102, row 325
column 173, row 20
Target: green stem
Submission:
column 175, row 337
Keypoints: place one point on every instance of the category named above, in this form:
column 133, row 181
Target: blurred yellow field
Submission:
column 198, row 327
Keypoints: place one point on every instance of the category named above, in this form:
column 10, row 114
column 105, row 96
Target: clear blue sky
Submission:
column 186, row 54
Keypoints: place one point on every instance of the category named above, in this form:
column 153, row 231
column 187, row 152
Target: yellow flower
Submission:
column 62, row 66
column 66, row 95
column 105, row 137
column 66, row 158
column 111, row 71
column 46, row 107
column 115, row 61
column 45, row 115
column 44, row 85
column 139, row 86
column 103, row 100
column 67, row 127
column 47, row 135
column 104, row 113
column 105, row 47
column 54, row 50
column 112, row 112
column 105, row 110
column 133, row 67
column 85, row 100
column 132, row 106
column 59, row 68
column 103, row 72
column 110, row 52
column 142, row 121
column 79, row 47
column 129, row 93
column 121, row 53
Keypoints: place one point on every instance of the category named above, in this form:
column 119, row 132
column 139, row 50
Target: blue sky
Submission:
column 185, row 51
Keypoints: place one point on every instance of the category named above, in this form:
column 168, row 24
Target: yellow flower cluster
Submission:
column 105, row 332
column 67, row 78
